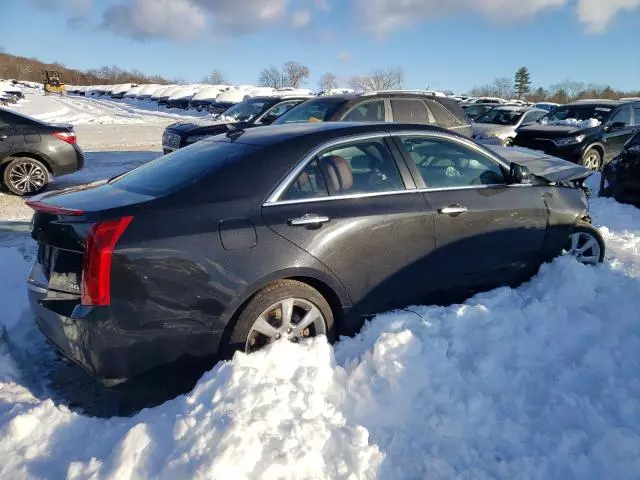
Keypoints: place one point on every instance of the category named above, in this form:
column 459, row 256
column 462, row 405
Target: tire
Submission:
column 592, row 159
column 507, row 142
column 20, row 167
column 585, row 232
column 244, row 332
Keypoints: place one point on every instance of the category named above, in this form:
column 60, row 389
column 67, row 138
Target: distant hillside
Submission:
column 31, row 69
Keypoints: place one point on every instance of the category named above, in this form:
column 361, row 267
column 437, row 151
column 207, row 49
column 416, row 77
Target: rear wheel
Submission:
column 286, row 309
column 585, row 244
column 592, row 159
column 25, row 176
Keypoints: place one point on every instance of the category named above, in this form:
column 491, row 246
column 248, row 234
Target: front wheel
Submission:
column 592, row 159
column 507, row 142
column 585, row 244
column 286, row 309
column 25, row 176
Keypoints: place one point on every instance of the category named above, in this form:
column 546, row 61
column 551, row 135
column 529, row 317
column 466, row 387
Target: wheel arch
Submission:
column 597, row 146
column 26, row 154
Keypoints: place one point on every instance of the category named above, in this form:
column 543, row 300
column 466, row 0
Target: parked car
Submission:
column 253, row 112
column 390, row 106
column 500, row 123
column 621, row 177
column 290, row 231
column 590, row 132
column 181, row 97
column 475, row 110
column 548, row 106
column 32, row 152
column 206, row 97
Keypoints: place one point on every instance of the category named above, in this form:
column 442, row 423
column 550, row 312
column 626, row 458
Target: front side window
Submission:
column 316, row 110
column 445, row 163
column 366, row 112
column 622, row 116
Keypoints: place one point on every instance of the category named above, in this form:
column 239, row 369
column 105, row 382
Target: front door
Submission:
column 350, row 209
column 615, row 138
column 487, row 232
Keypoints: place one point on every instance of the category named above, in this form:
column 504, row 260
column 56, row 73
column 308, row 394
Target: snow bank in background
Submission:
column 573, row 122
column 542, row 381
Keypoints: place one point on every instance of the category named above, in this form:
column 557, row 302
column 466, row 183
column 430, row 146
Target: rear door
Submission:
column 6, row 140
column 487, row 232
column 356, row 209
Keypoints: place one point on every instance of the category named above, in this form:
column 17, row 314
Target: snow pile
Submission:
column 542, row 381
column 573, row 122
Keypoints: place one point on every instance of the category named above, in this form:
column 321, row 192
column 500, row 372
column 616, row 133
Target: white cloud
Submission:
column 301, row 18
column 384, row 16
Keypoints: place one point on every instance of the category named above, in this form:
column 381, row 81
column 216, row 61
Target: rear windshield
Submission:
column 320, row 110
column 184, row 167
column 14, row 118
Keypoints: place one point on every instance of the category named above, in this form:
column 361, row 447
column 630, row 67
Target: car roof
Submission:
column 595, row 101
column 274, row 134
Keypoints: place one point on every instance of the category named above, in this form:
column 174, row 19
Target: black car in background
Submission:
column 588, row 132
column 253, row 112
column 476, row 110
column 32, row 152
column 289, row 232
column 621, row 177
column 382, row 106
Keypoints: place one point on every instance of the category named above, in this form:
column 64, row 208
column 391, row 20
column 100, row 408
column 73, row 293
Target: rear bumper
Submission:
column 91, row 338
column 68, row 159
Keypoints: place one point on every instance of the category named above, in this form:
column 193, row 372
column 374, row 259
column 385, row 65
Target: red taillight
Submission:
column 44, row 208
column 69, row 137
column 96, row 267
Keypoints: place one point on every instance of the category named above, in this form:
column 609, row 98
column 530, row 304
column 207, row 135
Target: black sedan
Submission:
column 288, row 232
column 621, row 178
column 253, row 112
column 32, row 151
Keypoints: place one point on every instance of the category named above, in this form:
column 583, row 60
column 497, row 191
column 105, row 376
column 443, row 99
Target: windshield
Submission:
column 500, row 116
column 477, row 110
column 578, row 112
column 312, row 111
column 247, row 110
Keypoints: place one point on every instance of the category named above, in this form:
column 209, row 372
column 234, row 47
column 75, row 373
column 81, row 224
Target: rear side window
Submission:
column 409, row 111
column 181, row 168
column 444, row 118
column 309, row 184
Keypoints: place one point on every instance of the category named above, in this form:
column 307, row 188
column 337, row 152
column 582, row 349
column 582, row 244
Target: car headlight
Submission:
column 197, row 138
column 561, row 142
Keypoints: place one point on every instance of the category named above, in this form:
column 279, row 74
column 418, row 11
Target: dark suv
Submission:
column 384, row 106
column 588, row 132
column 253, row 112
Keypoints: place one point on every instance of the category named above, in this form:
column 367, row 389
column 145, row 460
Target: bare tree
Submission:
column 272, row 77
column 388, row 79
column 328, row 81
column 216, row 77
column 295, row 74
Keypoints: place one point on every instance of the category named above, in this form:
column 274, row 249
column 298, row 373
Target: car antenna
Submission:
column 233, row 131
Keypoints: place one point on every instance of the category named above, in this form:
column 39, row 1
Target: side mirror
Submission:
column 615, row 126
column 519, row 174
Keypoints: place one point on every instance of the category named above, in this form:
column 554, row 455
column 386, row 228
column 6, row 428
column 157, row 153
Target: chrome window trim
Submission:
column 309, row 157
column 273, row 198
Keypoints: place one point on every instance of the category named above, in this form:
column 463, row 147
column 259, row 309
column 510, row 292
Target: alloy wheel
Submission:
column 584, row 247
column 592, row 162
column 27, row 177
column 292, row 318
column 507, row 142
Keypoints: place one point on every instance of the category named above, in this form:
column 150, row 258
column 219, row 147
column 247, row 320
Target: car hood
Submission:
column 554, row 131
column 492, row 129
column 547, row 167
column 203, row 126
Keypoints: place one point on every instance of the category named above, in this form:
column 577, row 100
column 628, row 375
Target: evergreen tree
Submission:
column 522, row 85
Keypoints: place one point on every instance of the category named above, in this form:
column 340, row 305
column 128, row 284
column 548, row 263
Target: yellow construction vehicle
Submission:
column 52, row 82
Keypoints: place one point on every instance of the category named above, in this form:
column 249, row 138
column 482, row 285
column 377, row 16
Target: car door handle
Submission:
column 308, row 219
column 452, row 210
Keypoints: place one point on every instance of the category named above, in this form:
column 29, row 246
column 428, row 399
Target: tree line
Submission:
column 562, row 92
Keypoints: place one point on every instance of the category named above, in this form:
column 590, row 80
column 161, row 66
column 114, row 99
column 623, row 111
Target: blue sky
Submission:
column 453, row 46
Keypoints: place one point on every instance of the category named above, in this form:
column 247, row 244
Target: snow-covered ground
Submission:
column 538, row 382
